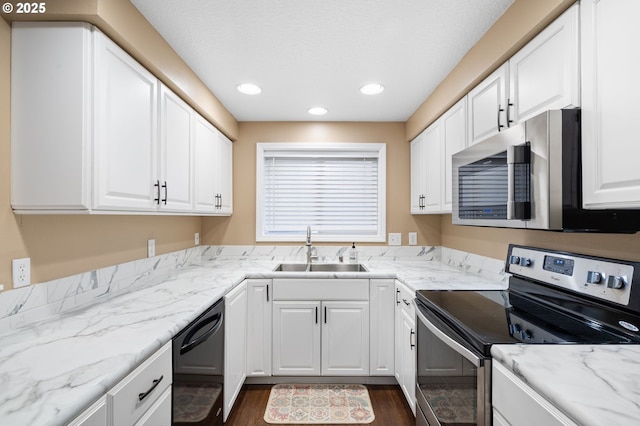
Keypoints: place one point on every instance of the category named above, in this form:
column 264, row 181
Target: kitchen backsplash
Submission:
column 23, row 306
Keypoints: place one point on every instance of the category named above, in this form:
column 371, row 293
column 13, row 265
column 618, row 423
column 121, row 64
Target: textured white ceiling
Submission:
column 306, row 53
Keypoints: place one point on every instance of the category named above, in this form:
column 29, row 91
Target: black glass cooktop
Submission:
column 526, row 314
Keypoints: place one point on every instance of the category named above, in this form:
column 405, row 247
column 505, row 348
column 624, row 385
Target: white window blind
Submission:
column 336, row 189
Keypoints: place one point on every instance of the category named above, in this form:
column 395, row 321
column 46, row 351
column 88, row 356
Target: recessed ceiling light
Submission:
column 317, row 111
column 372, row 88
column 248, row 89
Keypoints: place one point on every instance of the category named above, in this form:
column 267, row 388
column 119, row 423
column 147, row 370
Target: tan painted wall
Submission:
column 519, row 24
column 64, row 245
column 241, row 227
column 493, row 242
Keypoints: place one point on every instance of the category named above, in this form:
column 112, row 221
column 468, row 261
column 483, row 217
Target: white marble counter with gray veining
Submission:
column 52, row 369
column 594, row 385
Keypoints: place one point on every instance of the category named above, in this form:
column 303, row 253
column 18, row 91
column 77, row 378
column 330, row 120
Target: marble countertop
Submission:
column 593, row 385
column 52, row 370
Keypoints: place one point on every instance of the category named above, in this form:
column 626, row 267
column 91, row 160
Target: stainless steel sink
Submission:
column 321, row 267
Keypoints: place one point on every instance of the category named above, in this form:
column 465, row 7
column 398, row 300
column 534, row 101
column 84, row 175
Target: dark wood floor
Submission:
column 389, row 406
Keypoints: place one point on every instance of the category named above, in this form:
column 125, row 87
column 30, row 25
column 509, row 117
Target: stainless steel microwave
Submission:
column 530, row 176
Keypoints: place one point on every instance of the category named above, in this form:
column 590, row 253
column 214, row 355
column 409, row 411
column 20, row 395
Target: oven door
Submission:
column 453, row 382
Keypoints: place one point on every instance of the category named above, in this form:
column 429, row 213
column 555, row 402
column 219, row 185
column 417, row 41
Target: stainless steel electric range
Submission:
column 553, row 298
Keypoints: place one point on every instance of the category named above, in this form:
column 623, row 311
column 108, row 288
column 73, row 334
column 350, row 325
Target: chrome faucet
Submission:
column 310, row 256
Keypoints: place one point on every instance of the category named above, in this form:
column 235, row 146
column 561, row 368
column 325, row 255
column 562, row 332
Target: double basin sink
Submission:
column 320, row 267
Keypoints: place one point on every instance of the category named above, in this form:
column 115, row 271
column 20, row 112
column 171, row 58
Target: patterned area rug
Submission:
column 314, row 404
column 452, row 404
column 193, row 403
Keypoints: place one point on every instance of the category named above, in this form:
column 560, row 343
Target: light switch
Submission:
column 395, row 239
column 413, row 238
column 151, row 248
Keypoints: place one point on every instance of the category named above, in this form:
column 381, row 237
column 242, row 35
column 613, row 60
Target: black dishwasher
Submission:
column 198, row 370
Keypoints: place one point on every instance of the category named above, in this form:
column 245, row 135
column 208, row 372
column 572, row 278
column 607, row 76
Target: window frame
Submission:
column 367, row 149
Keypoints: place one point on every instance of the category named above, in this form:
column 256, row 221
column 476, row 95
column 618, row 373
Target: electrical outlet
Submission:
column 151, row 248
column 413, row 238
column 21, row 271
column 196, row 238
column 395, row 239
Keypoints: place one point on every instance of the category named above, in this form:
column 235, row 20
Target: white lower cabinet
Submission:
column 160, row 412
column 259, row 312
column 381, row 327
column 96, row 415
column 235, row 345
column 315, row 335
column 516, row 403
column 136, row 396
column 405, row 343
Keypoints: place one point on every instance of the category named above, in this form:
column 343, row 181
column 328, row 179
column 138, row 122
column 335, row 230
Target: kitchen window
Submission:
column 338, row 189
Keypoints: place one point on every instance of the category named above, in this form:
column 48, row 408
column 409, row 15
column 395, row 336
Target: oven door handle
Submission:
column 186, row 347
column 473, row 358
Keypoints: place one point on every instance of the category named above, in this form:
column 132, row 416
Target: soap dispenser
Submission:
column 353, row 254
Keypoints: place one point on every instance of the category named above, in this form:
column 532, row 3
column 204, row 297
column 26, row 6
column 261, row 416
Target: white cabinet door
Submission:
column 345, row 338
column 296, row 338
column 487, row 109
column 610, row 108
column 405, row 338
column 454, row 139
column 176, row 152
column 96, row 415
column 206, row 139
column 125, row 130
column 545, row 73
column 51, row 117
column 433, row 166
column 381, row 319
column 259, row 327
column 224, row 179
column 235, row 345
column 408, row 372
column 418, row 178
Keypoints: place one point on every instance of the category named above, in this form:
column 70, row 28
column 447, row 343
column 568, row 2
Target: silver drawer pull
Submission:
column 156, row 382
column 405, row 301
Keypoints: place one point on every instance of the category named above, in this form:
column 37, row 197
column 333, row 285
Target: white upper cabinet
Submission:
column 431, row 168
column 418, row 172
column 125, row 130
column 543, row 75
column 487, row 106
column 610, row 110
column 454, row 139
column 176, row 152
column 213, row 170
column 109, row 136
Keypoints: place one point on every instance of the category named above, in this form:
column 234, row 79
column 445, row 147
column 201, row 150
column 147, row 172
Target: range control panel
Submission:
column 605, row 279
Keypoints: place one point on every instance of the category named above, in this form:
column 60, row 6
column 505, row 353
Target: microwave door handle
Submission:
column 518, row 155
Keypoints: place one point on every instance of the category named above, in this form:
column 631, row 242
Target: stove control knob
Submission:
column 615, row 282
column 514, row 260
column 524, row 261
column 594, row 277
column 526, row 334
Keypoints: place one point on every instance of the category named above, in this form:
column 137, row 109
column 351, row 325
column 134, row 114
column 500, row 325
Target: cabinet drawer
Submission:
column 320, row 289
column 137, row 392
column 160, row 413
column 518, row 404
column 405, row 298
